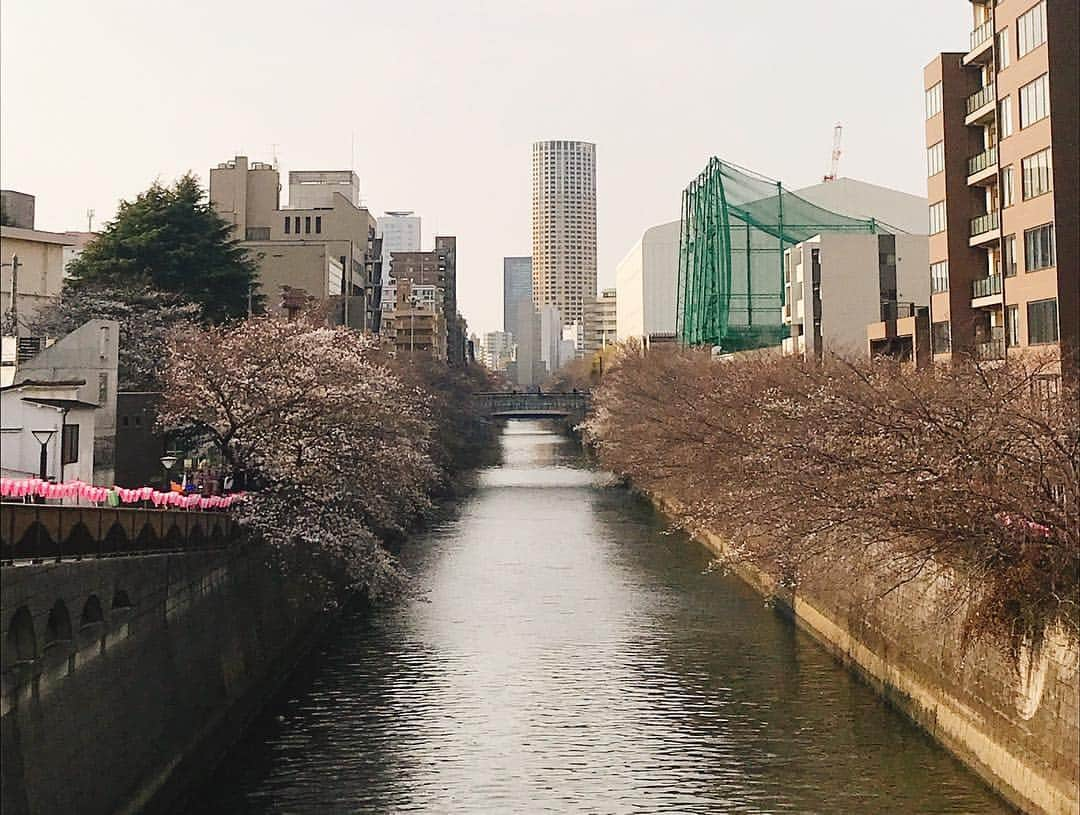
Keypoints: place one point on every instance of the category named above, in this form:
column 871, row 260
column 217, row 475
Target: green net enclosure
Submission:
column 736, row 225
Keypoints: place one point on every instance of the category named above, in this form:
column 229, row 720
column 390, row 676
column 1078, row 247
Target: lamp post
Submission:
column 167, row 461
column 43, row 438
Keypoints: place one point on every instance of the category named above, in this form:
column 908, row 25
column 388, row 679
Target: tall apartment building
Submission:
column 323, row 243
column 564, row 226
column 416, row 324
column 437, row 268
column 599, row 321
column 1002, row 152
column 517, row 288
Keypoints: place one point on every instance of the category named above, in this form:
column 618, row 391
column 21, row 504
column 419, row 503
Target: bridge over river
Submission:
column 534, row 404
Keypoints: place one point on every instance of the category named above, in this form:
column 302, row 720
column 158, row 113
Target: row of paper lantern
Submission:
column 36, row 488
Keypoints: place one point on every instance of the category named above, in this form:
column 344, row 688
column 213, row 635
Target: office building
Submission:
column 1002, row 165
column 496, row 350
column 323, row 245
column 599, row 322
column 517, row 288
column 564, row 226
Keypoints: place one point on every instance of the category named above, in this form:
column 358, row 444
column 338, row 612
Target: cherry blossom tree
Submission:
column 338, row 448
column 867, row 467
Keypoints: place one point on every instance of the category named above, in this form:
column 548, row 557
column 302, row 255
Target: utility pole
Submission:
column 13, row 313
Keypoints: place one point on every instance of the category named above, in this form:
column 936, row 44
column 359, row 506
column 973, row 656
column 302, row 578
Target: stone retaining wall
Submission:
column 1018, row 729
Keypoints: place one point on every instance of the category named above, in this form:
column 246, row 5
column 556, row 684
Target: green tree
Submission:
column 170, row 239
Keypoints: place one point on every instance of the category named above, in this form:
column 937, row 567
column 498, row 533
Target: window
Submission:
column 933, row 101
column 288, row 222
column 296, row 224
column 939, row 276
column 102, row 387
column 1012, row 326
column 307, row 224
column 1009, row 266
column 69, row 444
column 935, row 159
column 1034, row 102
column 1039, row 247
column 1001, row 49
column 318, row 224
column 1031, row 29
column 1042, row 318
column 1008, row 197
column 941, row 337
column 937, row 217
column 1036, row 174
column 1005, row 123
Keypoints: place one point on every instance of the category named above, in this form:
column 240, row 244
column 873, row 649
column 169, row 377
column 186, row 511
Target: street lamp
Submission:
column 167, row 461
column 43, row 438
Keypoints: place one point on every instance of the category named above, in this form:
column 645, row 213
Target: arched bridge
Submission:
column 533, row 405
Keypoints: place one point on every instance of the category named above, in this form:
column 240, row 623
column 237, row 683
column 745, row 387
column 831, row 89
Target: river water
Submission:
column 563, row 652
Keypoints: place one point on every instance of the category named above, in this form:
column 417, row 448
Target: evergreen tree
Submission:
column 170, row 239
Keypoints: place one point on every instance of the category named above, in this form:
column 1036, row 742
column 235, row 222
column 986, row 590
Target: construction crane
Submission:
column 837, row 131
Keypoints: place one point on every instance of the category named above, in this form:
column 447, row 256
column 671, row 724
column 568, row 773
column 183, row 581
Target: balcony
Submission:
column 980, row 105
column 983, row 167
column 981, row 40
column 985, row 228
column 992, row 349
column 986, row 287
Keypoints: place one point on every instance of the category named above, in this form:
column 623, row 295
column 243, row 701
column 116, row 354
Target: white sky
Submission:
column 441, row 99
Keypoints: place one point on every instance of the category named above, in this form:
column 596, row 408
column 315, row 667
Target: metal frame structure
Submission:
column 736, row 225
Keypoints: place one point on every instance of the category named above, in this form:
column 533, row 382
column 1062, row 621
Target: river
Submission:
column 564, row 652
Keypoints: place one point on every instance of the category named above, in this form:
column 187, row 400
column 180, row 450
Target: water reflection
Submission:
column 563, row 654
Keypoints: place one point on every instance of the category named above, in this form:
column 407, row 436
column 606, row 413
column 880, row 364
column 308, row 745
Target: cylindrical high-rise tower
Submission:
column 564, row 225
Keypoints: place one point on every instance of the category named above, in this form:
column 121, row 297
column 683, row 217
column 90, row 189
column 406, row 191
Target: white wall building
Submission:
column 564, row 225
column 61, row 420
column 858, row 199
column 646, row 285
column 861, row 279
column 314, row 189
column 89, row 354
column 551, row 336
column 496, row 350
column 400, row 232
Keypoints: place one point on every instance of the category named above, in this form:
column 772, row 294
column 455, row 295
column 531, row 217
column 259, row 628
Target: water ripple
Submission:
column 563, row 654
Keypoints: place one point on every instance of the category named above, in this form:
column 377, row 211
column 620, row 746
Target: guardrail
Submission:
column 987, row 158
column 986, row 286
column 55, row 532
column 980, row 98
column 984, row 223
column 982, row 34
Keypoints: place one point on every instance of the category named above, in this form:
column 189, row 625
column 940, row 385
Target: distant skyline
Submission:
column 441, row 105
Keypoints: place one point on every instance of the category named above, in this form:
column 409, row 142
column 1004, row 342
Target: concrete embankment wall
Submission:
column 160, row 661
column 1019, row 729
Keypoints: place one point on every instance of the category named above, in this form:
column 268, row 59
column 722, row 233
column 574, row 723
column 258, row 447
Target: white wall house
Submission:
column 88, row 354
column 63, row 421
column 646, row 285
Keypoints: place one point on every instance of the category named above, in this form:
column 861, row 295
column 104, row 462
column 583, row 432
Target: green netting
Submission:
column 736, row 225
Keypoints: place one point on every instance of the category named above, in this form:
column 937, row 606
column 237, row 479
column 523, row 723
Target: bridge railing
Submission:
column 502, row 402
column 55, row 532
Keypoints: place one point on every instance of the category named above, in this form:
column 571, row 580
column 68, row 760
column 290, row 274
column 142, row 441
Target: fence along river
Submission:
column 563, row 652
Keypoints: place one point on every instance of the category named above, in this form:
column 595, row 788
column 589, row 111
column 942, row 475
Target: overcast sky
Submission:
column 440, row 100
